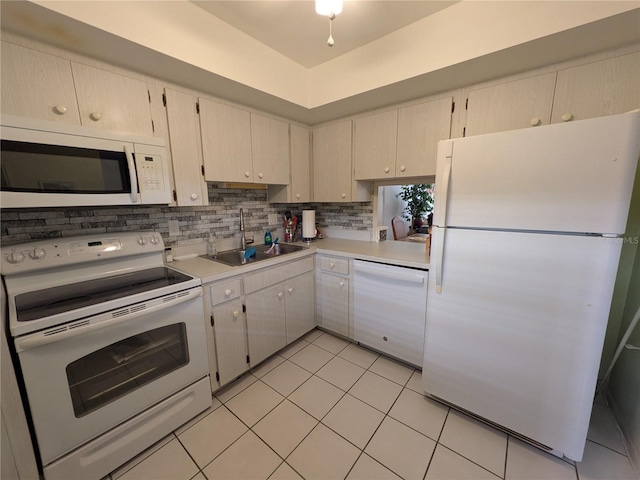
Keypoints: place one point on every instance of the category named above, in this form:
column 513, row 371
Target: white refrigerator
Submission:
column 525, row 249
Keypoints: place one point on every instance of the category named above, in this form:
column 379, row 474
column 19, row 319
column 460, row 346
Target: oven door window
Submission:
column 33, row 167
column 117, row 369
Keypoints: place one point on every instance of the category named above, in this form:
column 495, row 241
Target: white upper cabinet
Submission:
column 597, row 89
column 420, row 128
column 270, row 149
column 299, row 188
column 111, row 101
column 191, row 188
column 226, row 142
column 401, row 143
column 332, row 171
column 37, row 85
column 519, row 104
column 375, row 146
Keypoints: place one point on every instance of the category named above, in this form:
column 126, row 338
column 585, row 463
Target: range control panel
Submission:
column 51, row 253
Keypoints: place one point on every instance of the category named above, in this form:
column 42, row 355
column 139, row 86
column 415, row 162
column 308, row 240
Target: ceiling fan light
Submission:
column 328, row 7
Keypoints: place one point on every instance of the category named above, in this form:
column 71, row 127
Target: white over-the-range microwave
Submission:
column 49, row 164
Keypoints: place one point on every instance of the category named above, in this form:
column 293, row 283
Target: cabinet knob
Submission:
column 297, row 195
column 194, row 196
column 332, row 265
column 280, row 294
column 341, row 284
column 402, row 168
column 344, row 195
column 227, row 292
column 95, row 116
column 236, row 313
column 290, row 290
column 260, row 175
column 247, row 174
column 386, row 169
column 535, row 121
column 567, row 117
column 60, row 109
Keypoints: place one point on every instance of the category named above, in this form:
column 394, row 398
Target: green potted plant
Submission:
column 419, row 200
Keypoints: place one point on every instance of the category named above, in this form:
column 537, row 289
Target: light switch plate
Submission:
column 273, row 219
column 174, row 228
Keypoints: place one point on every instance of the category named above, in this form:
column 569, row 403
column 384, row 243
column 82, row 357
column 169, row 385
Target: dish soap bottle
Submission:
column 267, row 238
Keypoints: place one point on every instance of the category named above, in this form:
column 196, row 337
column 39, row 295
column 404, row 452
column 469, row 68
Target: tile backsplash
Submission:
column 220, row 217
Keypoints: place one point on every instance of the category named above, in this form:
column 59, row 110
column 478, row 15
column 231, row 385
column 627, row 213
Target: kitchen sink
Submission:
column 235, row 257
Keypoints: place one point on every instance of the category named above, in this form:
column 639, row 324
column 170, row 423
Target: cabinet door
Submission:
column 266, row 331
column 597, row 89
column 420, row 128
column 299, row 188
column 332, row 171
column 270, row 150
column 374, row 154
column 226, row 142
column 509, row 106
column 334, row 305
column 299, row 306
column 37, row 85
column 183, row 134
column 230, row 340
column 111, row 101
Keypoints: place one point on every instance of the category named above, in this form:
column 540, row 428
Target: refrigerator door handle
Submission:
column 439, row 257
column 444, row 191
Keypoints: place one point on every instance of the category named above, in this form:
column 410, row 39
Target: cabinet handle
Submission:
column 227, row 292
column 341, row 284
column 386, row 169
column 60, row 109
column 290, row 290
column 344, row 195
column 332, row 265
column 236, row 313
column 535, row 121
column 194, row 196
column 402, row 168
column 567, row 117
column 297, row 195
column 247, row 174
column 95, row 116
column 260, row 175
column 280, row 294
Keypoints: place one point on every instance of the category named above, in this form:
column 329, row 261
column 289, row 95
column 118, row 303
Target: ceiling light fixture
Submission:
column 329, row 8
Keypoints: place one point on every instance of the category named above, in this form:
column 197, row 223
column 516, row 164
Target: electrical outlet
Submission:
column 174, row 228
column 273, row 218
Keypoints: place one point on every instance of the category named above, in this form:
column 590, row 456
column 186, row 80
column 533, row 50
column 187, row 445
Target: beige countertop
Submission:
column 408, row 254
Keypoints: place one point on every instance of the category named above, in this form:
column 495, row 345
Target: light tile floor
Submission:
column 324, row 408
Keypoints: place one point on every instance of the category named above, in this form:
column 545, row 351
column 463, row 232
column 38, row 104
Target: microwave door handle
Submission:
column 132, row 174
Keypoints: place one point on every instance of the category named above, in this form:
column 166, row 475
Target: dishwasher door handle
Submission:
column 415, row 278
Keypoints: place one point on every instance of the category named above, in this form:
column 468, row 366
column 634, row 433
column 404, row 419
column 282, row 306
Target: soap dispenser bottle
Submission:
column 267, row 238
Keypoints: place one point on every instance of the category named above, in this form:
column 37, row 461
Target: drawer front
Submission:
column 335, row 265
column 272, row 275
column 226, row 290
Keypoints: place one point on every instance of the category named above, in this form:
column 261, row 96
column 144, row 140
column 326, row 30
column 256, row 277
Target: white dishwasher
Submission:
column 390, row 306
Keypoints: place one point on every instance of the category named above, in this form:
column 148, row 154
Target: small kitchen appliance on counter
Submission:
column 111, row 347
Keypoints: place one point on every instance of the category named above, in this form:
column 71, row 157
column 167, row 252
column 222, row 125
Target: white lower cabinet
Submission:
column 279, row 303
column 266, row 325
column 227, row 336
column 334, row 295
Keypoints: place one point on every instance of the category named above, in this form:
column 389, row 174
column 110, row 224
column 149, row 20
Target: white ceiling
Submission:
column 293, row 28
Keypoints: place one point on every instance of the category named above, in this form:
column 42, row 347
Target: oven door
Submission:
column 85, row 380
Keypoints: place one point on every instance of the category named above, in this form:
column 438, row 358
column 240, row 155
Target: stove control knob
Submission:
column 142, row 241
column 15, row 257
column 37, row 253
column 154, row 240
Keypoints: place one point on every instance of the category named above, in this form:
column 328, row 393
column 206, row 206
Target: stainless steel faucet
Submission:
column 243, row 239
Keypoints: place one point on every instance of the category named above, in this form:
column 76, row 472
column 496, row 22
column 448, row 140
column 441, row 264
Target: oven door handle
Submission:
column 99, row 322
